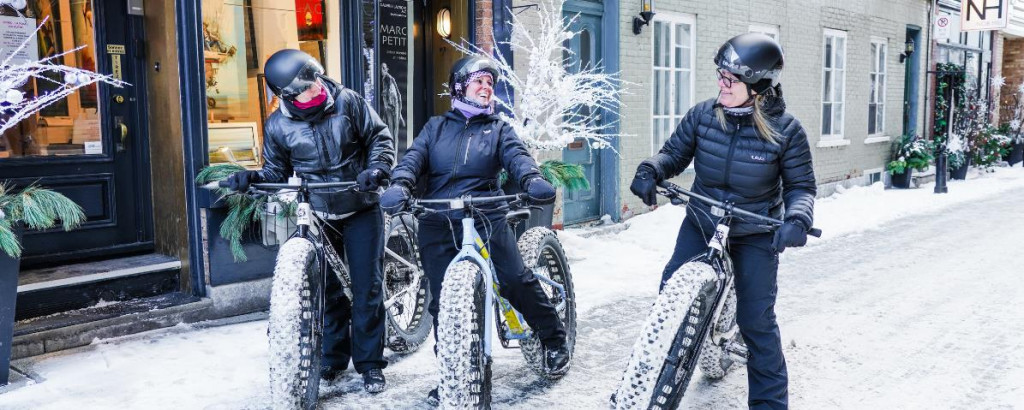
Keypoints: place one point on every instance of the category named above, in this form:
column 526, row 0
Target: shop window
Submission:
column 70, row 126
column 238, row 37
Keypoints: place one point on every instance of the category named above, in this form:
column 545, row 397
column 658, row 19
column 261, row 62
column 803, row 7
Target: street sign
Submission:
column 941, row 30
column 977, row 15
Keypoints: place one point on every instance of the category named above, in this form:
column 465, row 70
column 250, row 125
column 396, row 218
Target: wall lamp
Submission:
column 908, row 49
column 645, row 16
column 444, row 23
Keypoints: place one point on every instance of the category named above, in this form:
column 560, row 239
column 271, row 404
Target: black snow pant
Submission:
column 440, row 242
column 756, row 265
column 355, row 330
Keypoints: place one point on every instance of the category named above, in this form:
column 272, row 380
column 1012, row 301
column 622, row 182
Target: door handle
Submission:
column 120, row 128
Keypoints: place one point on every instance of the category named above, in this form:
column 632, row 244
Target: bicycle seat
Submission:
column 518, row 215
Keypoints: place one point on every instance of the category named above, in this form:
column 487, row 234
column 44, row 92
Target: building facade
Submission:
column 150, row 254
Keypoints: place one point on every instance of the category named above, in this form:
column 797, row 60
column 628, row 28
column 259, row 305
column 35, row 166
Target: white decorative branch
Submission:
column 556, row 106
column 14, row 106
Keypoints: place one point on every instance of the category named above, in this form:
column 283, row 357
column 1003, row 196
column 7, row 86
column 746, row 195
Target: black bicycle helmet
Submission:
column 463, row 68
column 754, row 58
column 289, row 72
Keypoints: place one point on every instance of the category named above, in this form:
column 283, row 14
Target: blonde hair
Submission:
column 764, row 127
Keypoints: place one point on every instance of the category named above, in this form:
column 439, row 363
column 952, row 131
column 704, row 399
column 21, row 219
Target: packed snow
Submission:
column 909, row 300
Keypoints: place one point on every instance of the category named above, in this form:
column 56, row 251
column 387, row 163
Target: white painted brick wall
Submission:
column 801, row 24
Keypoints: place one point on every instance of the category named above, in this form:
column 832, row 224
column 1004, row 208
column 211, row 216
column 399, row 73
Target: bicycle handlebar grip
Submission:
column 223, row 184
column 815, row 232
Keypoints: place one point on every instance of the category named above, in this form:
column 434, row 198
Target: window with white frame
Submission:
column 833, row 84
column 876, row 102
column 672, row 68
column 768, row 29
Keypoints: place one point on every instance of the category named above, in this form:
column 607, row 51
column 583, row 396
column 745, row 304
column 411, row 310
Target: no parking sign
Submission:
column 942, row 27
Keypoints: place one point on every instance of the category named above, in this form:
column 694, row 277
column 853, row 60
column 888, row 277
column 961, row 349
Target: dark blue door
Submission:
column 93, row 145
column 583, row 205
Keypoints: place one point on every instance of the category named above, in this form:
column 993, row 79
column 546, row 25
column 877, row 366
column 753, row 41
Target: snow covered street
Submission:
column 910, row 300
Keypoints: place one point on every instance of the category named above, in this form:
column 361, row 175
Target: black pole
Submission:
column 941, row 156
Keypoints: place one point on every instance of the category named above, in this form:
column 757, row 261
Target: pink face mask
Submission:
column 316, row 101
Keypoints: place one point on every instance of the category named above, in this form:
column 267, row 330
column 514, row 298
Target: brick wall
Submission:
column 485, row 24
column 801, row 24
column 1013, row 70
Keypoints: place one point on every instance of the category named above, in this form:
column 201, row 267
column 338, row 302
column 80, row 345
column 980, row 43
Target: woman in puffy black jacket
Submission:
column 461, row 153
column 746, row 150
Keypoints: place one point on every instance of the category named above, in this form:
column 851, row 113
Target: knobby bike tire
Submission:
column 465, row 367
column 296, row 326
column 543, row 254
column 408, row 322
column 714, row 361
column 674, row 325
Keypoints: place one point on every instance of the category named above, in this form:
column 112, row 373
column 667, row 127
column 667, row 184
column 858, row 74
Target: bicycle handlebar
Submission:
column 469, row 200
column 678, row 190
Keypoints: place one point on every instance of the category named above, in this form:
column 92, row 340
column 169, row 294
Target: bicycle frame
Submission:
column 474, row 249
column 717, row 255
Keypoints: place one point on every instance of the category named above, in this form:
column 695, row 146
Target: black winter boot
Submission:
column 556, row 359
column 373, row 381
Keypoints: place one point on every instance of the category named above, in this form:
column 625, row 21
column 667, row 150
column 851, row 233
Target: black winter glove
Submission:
column 645, row 184
column 540, row 191
column 373, row 177
column 395, row 198
column 790, row 234
column 241, row 180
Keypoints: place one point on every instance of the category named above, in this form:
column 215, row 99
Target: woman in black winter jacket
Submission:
column 461, row 153
column 746, row 150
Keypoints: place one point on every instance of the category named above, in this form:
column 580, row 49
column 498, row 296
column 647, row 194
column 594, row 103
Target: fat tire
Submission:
column 295, row 326
column 465, row 368
column 400, row 237
column 675, row 318
column 540, row 248
column 714, row 363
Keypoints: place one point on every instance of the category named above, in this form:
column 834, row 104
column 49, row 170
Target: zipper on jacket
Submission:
column 316, row 142
column 465, row 158
column 455, row 170
column 728, row 157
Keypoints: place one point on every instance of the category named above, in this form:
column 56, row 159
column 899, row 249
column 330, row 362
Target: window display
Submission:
column 72, row 125
column 238, row 37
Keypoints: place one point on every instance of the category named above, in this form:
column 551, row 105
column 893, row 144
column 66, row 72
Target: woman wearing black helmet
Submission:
column 325, row 132
column 749, row 151
column 461, row 153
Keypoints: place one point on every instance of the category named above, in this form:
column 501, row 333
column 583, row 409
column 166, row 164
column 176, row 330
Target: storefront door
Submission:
column 584, row 205
column 93, row 145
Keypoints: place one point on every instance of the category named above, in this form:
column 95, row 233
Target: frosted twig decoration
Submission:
column 556, row 106
column 15, row 107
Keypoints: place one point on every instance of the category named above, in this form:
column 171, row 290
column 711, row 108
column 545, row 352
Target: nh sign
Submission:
column 978, row 15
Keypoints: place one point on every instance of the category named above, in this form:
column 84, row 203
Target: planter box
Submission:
column 960, row 173
column 223, row 269
column 541, row 215
column 902, row 181
column 1016, row 154
column 9, row 268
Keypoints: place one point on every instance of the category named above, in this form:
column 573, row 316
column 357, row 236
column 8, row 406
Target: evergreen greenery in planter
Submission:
column 909, row 152
column 36, row 208
column 243, row 210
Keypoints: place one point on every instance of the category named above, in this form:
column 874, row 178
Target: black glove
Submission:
column 395, row 197
column 540, row 191
column 645, row 184
column 373, row 176
column 790, row 234
column 241, row 180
